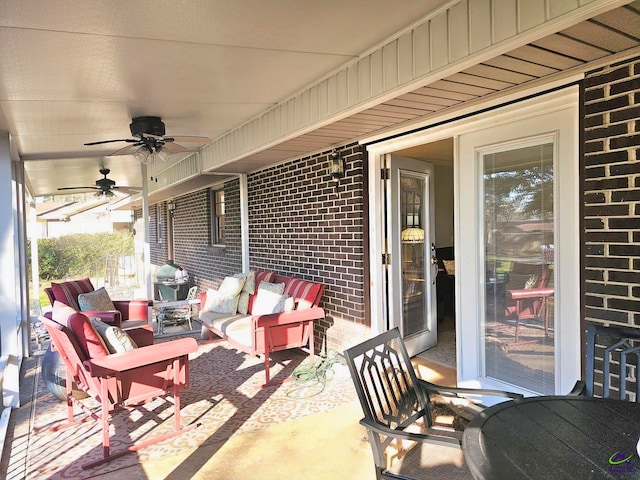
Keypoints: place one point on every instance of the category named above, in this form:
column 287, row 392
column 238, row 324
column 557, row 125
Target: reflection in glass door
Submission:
column 518, row 191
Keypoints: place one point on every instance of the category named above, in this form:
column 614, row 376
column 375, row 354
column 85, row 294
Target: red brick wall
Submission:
column 612, row 205
column 612, row 194
column 301, row 224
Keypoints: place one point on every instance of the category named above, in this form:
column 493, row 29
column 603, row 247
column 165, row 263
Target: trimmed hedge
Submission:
column 80, row 254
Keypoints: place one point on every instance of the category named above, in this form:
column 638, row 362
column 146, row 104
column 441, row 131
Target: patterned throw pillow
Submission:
column 116, row 339
column 518, row 281
column 531, row 282
column 248, row 289
column 222, row 304
column 243, row 303
column 267, row 298
column 98, row 300
column 249, row 282
column 284, row 304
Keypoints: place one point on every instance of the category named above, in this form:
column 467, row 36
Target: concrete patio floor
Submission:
column 325, row 445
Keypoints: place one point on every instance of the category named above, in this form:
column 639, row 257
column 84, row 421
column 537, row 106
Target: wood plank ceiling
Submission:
column 577, row 48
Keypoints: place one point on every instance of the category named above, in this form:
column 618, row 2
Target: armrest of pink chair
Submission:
column 133, row 309
column 112, row 317
column 140, row 357
column 284, row 318
column 203, row 297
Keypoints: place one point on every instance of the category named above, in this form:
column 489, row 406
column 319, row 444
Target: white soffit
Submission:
column 455, row 37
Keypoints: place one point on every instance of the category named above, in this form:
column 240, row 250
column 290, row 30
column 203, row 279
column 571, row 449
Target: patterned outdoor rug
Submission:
column 226, row 398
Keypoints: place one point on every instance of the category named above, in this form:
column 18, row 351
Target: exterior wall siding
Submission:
column 611, row 202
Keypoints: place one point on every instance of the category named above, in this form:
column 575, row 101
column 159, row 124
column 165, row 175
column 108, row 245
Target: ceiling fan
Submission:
column 150, row 139
column 106, row 187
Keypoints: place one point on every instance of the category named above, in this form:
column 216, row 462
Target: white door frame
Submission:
column 556, row 117
column 555, row 101
column 377, row 152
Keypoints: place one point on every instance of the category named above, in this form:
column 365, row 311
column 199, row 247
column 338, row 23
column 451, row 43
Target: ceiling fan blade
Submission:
column 173, row 147
column 127, row 190
column 129, row 149
column 189, row 139
column 79, row 188
column 111, row 141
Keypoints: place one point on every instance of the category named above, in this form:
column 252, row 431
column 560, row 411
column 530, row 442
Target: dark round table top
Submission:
column 556, row 437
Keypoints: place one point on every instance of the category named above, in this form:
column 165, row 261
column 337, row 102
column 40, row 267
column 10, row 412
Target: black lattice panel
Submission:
column 388, row 386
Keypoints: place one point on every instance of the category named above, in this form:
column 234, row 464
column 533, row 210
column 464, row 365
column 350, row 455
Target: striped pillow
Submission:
column 67, row 292
column 304, row 293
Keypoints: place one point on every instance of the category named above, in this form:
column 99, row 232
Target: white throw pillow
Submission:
column 115, row 339
column 267, row 298
column 225, row 299
column 231, row 286
column 243, row 303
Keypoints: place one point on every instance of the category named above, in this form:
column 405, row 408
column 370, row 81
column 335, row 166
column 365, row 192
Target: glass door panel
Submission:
column 518, row 198
column 414, row 314
column 412, row 300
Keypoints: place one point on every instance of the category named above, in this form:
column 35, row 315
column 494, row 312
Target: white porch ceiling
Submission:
column 74, row 72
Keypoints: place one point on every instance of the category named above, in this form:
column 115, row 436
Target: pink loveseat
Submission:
column 266, row 333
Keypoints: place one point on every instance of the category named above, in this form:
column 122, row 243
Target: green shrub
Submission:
column 73, row 255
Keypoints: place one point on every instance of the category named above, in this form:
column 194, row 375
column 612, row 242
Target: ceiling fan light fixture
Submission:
column 142, row 154
column 163, row 154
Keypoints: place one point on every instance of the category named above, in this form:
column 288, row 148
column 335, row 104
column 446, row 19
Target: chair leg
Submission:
column 107, row 455
column 104, row 415
column 267, row 371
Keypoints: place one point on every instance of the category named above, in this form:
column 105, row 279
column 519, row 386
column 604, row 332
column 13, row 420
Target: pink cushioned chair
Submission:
column 127, row 311
column 118, row 380
column 532, row 301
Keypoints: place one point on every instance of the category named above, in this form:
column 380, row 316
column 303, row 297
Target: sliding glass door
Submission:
column 519, row 242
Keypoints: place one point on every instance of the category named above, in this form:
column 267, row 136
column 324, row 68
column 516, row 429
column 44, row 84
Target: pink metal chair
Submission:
column 119, row 380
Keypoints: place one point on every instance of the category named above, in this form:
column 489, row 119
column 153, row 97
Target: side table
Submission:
column 160, row 306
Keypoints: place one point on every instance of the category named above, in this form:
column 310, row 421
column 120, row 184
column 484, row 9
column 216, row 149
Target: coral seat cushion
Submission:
column 67, row 292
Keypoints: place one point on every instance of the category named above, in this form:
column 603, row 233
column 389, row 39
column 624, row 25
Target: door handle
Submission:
column 434, row 262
